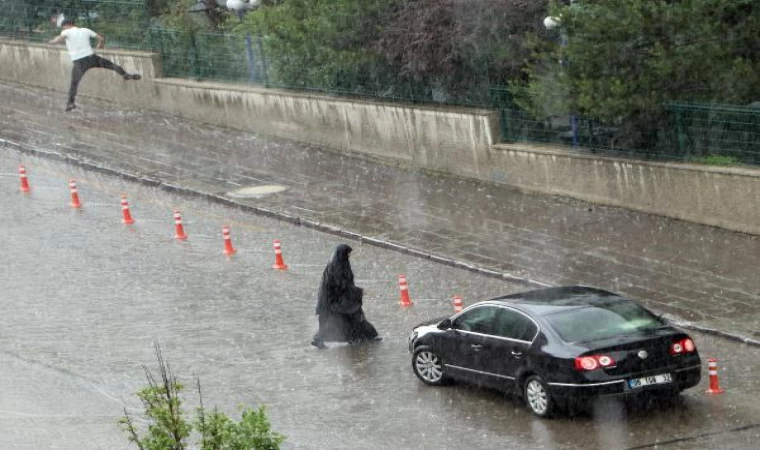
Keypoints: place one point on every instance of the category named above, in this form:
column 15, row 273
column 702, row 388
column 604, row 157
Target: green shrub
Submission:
column 169, row 428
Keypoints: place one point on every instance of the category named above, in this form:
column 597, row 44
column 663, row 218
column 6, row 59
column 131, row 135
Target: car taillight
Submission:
column 593, row 362
column 683, row 346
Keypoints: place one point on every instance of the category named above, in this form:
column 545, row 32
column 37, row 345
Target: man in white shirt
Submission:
column 84, row 57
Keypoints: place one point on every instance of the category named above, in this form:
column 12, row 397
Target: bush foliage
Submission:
column 626, row 60
column 169, row 428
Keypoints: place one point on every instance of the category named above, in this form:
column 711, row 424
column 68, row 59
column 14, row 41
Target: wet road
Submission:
column 705, row 275
column 84, row 297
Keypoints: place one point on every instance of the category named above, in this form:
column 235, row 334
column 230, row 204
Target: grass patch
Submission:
column 715, row 160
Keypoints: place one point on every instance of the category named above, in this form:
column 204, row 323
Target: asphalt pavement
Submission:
column 84, row 297
column 699, row 275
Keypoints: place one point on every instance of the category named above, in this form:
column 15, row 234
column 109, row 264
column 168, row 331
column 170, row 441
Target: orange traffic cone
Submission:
column 179, row 230
column 24, row 179
column 125, row 211
column 228, row 250
column 712, row 370
column 75, row 203
column 404, row 288
column 278, row 261
column 458, row 305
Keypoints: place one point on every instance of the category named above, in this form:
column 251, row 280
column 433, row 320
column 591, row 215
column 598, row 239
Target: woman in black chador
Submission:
column 339, row 304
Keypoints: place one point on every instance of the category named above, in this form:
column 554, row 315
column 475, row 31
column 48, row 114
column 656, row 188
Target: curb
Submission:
column 712, row 331
column 330, row 229
column 294, row 220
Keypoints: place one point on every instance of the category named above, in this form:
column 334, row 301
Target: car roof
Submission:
column 549, row 300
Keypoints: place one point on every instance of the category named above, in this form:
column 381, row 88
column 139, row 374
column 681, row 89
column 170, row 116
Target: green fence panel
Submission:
column 710, row 130
column 707, row 133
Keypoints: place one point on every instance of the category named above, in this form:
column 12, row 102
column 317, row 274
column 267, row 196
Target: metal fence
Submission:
column 552, row 128
column 210, row 56
column 236, row 58
column 717, row 132
column 694, row 132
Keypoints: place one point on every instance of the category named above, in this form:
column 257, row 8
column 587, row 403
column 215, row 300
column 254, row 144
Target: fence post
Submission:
column 504, row 121
column 162, row 50
column 498, row 95
column 144, row 25
column 194, row 61
column 574, row 128
column 680, row 130
column 251, row 59
column 263, row 58
column 503, row 102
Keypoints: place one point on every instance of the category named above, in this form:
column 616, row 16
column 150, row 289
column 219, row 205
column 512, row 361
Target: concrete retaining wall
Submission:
column 444, row 140
column 724, row 197
column 456, row 141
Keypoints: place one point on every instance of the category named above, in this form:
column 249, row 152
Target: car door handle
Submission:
column 517, row 354
column 476, row 347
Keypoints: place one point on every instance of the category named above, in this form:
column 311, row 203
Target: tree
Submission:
column 169, row 429
column 460, row 46
column 627, row 59
column 443, row 50
column 321, row 44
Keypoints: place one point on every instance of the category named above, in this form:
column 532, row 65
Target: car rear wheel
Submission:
column 537, row 397
column 428, row 367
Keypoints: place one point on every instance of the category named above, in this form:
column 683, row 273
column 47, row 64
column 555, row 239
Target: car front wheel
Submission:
column 537, row 397
column 427, row 366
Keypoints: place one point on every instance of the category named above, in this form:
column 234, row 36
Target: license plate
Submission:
column 648, row 381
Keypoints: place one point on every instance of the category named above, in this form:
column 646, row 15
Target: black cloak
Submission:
column 339, row 303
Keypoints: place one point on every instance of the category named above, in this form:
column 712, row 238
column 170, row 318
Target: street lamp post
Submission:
column 240, row 7
column 551, row 23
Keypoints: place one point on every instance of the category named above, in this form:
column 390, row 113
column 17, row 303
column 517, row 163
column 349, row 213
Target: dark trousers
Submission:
column 82, row 65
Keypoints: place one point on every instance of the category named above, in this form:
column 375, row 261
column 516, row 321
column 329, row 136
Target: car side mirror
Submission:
column 445, row 324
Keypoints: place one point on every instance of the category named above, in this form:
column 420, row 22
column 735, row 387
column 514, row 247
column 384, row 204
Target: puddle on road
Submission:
column 256, row 191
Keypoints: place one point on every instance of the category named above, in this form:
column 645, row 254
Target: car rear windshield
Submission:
column 602, row 320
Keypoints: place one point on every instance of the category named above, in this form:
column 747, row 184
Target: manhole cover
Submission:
column 256, row 191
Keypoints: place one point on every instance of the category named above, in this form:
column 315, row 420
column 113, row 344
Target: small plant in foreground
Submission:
column 168, row 427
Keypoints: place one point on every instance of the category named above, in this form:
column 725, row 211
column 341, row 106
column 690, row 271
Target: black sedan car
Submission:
column 557, row 347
